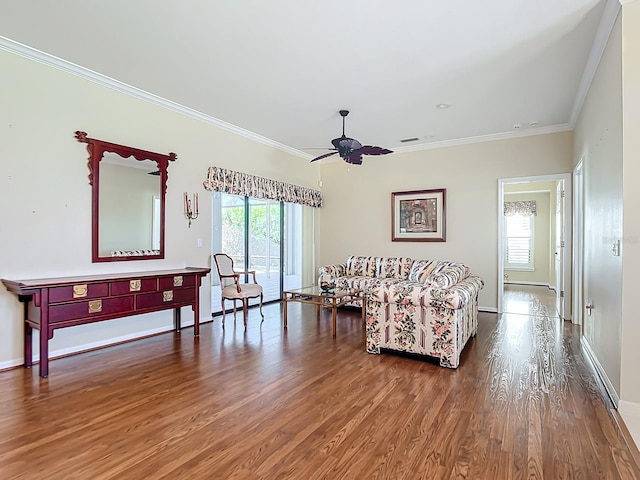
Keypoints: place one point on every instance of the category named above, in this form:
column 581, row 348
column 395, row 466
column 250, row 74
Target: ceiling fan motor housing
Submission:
column 346, row 145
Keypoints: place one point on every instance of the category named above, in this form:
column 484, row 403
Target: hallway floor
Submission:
column 529, row 300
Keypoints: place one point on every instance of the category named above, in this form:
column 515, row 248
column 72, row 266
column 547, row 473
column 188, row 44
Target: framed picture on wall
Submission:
column 418, row 216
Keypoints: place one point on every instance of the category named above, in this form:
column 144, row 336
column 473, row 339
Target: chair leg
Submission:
column 222, row 302
column 234, row 310
column 244, row 310
column 261, row 296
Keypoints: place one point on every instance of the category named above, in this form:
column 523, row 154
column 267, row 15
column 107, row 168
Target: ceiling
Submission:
column 279, row 71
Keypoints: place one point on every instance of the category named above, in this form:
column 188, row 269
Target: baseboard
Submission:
column 625, row 414
column 108, row 342
column 630, row 426
column 591, row 356
column 534, row 284
column 488, row 309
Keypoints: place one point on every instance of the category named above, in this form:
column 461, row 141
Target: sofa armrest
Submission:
column 337, row 270
column 413, row 293
column 456, row 295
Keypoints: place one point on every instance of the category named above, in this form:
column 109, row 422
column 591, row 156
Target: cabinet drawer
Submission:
column 90, row 308
column 78, row 292
column 166, row 297
column 125, row 287
column 177, row 281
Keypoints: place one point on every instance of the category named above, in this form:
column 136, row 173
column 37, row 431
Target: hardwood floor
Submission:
column 268, row 404
column 529, row 300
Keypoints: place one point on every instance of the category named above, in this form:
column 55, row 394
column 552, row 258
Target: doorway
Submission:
column 546, row 259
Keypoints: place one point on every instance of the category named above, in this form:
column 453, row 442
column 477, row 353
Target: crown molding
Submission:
column 105, row 81
column 564, row 127
column 623, row 2
column 607, row 22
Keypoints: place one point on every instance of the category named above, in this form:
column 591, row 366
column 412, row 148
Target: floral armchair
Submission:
column 423, row 319
column 426, row 307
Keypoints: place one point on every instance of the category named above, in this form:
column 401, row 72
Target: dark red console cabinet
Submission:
column 65, row 302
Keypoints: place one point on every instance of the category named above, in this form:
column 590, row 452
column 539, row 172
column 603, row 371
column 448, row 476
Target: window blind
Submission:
column 519, row 241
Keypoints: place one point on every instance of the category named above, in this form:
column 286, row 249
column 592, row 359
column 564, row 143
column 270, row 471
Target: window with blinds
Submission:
column 519, row 242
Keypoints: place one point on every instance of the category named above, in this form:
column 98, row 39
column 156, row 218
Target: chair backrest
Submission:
column 224, row 264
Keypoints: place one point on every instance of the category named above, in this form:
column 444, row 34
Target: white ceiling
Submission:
column 282, row 69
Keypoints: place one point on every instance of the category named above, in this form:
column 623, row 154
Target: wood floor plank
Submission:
column 266, row 403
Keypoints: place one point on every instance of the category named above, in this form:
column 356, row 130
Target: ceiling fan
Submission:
column 351, row 150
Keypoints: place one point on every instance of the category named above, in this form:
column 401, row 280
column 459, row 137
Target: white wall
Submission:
column 598, row 137
column 46, row 197
column 630, row 382
column 606, row 135
column 356, row 218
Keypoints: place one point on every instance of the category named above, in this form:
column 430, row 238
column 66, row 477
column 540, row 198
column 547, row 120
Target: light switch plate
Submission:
column 616, row 248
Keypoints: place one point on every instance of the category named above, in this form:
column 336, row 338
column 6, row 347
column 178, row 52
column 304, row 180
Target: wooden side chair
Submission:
column 233, row 289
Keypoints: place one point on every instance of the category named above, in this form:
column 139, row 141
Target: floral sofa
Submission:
column 426, row 307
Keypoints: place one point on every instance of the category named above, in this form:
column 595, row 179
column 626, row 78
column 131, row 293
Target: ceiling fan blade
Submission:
column 355, row 158
column 371, row 150
column 324, row 156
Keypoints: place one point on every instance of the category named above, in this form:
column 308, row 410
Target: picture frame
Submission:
column 419, row 216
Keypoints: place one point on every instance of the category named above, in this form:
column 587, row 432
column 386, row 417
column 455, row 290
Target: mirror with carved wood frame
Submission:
column 128, row 200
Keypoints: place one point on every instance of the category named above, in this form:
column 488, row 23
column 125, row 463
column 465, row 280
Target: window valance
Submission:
column 237, row 183
column 525, row 208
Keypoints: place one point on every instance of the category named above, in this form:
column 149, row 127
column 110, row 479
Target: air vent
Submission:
column 412, row 139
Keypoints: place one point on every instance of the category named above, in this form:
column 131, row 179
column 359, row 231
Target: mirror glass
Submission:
column 129, row 206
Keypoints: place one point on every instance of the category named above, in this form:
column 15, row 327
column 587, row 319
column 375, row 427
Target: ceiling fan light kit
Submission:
column 349, row 149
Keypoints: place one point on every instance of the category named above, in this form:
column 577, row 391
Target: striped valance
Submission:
column 237, row 183
column 526, row 208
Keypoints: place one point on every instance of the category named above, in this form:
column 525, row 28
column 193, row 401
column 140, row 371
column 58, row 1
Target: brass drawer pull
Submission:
column 95, row 306
column 177, row 281
column 134, row 285
column 167, row 296
column 80, row 291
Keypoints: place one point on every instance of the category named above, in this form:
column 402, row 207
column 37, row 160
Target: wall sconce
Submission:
column 190, row 211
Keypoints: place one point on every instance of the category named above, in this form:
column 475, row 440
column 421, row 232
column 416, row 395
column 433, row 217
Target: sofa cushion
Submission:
column 404, row 292
column 391, row 267
column 357, row 281
column 420, row 270
column 361, row 266
column 447, row 274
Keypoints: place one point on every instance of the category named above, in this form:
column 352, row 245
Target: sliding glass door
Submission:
column 260, row 235
column 264, row 235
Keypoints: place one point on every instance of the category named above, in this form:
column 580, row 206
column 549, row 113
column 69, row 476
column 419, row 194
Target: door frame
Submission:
column 577, row 270
column 566, row 260
column 559, row 251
